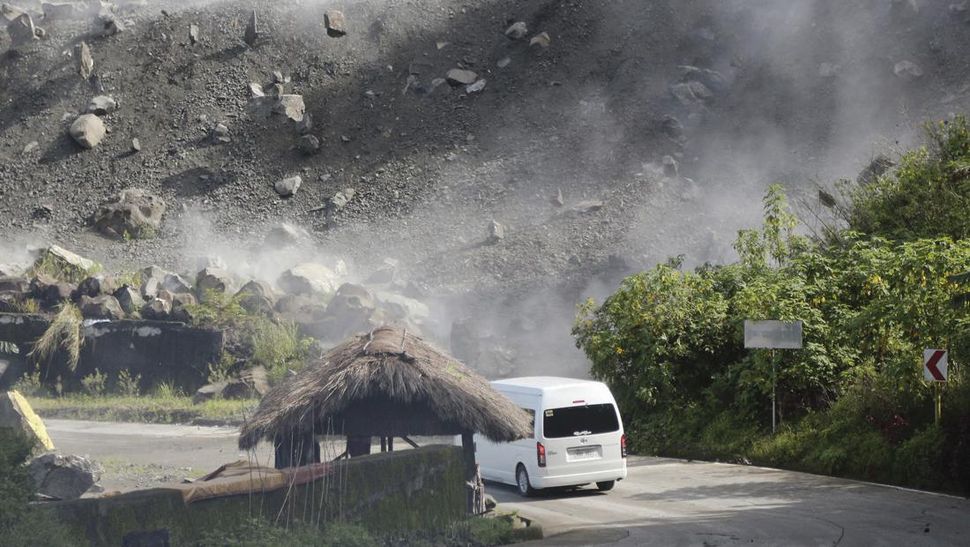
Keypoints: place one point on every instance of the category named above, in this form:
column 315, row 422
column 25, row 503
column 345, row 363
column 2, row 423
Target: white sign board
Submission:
column 934, row 365
column 773, row 334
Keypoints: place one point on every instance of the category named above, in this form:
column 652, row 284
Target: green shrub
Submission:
column 919, row 460
column 127, row 385
column 95, row 384
column 20, row 525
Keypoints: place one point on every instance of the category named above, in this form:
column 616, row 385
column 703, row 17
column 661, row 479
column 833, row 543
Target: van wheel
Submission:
column 605, row 486
column 522, row 482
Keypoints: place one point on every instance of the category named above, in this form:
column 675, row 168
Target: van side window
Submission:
column 532, row 421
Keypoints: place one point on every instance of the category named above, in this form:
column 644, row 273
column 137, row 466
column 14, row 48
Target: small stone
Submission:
column 672, row 128
column 517, row 31
column 83, row 60
column 278, row 90
column 335, row 23
column 30, row 147
column 670, row 166
column 557, row 200
column 504, row 62
column 496, row 233
column 292, row 107
column 476, row 87
column 102, row 105
column 457, row 77
column 588, row 206
column 252, row 30
column 279, row 79
column 193, row 34
column 135, row 145
column 907, row 70
column 220, row 134
column 288, row 186
column 110, row 25
column 88, row 130
column 305, row 125
column 341, row 198
column 10, row 13
column 308, row 145
column 542, row 40
column 256, row 90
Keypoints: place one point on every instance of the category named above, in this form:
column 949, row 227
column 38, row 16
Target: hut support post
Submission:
column 475, row 488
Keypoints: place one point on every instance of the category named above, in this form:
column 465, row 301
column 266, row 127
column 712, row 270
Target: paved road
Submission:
column 662, row 502
column 673, row 502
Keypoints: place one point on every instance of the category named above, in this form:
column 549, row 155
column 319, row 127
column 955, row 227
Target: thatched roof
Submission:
column 385, row 383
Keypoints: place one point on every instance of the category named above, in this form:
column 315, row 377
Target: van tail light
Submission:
column 541, row 454
column 623, row 446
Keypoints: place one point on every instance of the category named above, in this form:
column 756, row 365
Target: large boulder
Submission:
column 49, row 291
column 350, row 310
column 88, row 130
column 134, row 213
column 14, row 284
column 101, row 307
column 257, row 297
column 93, row 286
column 404, row 309
column 67, row 265
column 64, row 477
column 16, row 415
column 22, row 30
column 308, row 278
column 129, row 299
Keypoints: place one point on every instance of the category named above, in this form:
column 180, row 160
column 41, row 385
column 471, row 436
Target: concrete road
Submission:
column 673, row 502
column 662, row 502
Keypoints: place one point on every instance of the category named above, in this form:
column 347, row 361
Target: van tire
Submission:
column 605, row 486
column 522, row 483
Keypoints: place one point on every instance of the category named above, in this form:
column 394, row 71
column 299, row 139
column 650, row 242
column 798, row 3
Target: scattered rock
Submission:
column 101, row 307
column 16, row 414
column 175, row 284
column 94, row 286
column 109, row 25
column 542, row 40
column 557, row 199
column 291, row 106
column 288, row 186
column 305, row 125
column 21, row 31
column 691, row 93
column 496, row 233
column 129, row 299
column 157, row 308
column 83, row 60
column 59, row 11
column 220, row 134
column 672, row 128
column 335, row 23
column 257, row 297
column 504, row 62
column 9, row 13
column 490, row 503
column 517, row 31
column 457, row 77
column 49, row 291
column 710, row 80
column 72, row 265
column 403, row 309
column 30, row 147
column 102, row 105
column 252, row 30
column 208, row 392
column 907, row 70
column 134, row 213
column 88, row 130
column 350, row 309
column 64, row 477
column 475, row 87
column 193, row 34
column 308, row 145
column 213, row 280
column 308, row 278
column 670, row 166
column 135, row 145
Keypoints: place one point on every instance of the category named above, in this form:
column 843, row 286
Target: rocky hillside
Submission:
column 509, row 157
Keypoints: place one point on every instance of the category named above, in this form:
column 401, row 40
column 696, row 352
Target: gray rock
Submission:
column 257, row 297
column 88, row 130
column 101, row 307
column 59, row 11
column 209, row 392
column 284, row 235
column 109, row 25
column 308, row 278
column 134, row 213
column 342, row 198
column 308, row 145
column 157, row 308
column 64, row 477
column 587, row 206
column 542, row 40
column 305, row 125
column 220, row 134
column 21, row 30
column 350, row 309
column 336, row 23
column 878, row 167
column 102, row 105
column 175, row 284
column 496, row 233
column 457, row 77
column 288, row 186
column 557, row 199
column 129, row 299
column 94, row 286
column 9, row 13
column 403, row 309
column 291, row 106
column 83, row 60
column 252, row 30
column 256, row 90
column 710, row 79
column 475, row 87
column 907, row 71
column 213, row 280
column 70, row 263
column 135, row 145
column 670, row 166
column 517, row 31
column 193, row 34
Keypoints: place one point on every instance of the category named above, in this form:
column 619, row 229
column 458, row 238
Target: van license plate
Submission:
column 583, row 453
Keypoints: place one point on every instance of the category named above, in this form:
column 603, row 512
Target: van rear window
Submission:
column 579, row 420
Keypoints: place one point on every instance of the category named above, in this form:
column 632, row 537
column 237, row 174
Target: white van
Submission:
column 577, row 437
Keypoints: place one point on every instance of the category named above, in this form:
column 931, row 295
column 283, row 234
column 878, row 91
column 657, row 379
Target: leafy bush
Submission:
column 20, row 525
column 126, row 384
column 95, row 384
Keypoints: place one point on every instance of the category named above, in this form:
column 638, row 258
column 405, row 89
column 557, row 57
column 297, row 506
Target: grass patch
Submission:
column 172, row 409
column 63, row 334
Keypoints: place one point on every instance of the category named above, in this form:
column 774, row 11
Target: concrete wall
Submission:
column 397, row 491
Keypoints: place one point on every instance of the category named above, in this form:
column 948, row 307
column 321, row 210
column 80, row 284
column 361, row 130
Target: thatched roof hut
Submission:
column 387, row 383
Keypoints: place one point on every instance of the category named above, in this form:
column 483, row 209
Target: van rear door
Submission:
column 581, row 438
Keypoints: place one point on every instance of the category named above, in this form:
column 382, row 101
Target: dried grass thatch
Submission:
column 386, row 383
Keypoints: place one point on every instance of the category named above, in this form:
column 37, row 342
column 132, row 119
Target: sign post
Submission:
column 773, row 335
column 934, row 370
